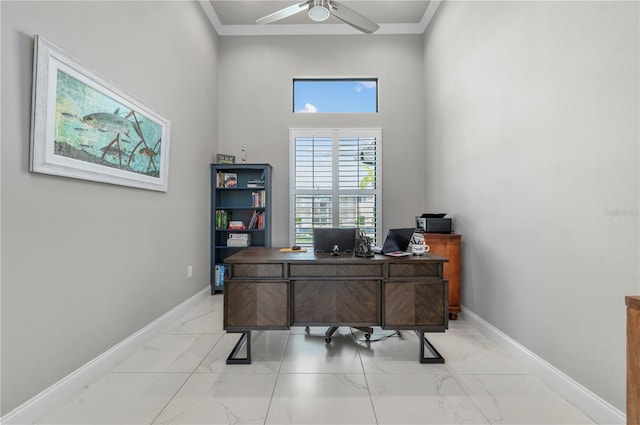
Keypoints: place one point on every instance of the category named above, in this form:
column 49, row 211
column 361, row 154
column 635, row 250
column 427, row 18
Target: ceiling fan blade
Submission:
column 353, row 18
column 284, row 13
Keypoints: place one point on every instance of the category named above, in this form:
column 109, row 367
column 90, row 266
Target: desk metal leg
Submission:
column 244, row 339
column 436, row 358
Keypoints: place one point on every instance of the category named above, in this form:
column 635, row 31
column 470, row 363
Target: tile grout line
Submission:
column 188, row 377
column 275, row 384
column 366, row 380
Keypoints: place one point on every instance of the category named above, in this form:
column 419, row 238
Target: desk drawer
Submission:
column 333, row 303
column 415, row 270
column 414, row 304
column 267, row 271
column 256, row 304
column 335, row 270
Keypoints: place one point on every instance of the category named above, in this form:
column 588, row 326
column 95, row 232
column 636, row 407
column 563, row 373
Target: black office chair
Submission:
column 337, row 241
column 329, row 333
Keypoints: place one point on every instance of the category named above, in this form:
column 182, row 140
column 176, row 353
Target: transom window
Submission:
column 335, row 181
column 342, row 95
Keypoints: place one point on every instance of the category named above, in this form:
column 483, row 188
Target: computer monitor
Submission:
column 326, row 238
column 397, row 240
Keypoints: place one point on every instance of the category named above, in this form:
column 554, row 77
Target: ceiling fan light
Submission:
column 318, row 11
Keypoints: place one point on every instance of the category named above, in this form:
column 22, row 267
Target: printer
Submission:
column 433, row 223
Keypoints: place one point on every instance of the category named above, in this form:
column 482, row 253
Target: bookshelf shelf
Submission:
column 234, row 197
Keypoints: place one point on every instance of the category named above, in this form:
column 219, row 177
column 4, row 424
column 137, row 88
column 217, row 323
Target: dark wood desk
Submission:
column 269, row 289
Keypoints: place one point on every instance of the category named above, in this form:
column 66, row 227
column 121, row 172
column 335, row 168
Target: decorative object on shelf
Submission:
column 83, row 127
column 230, row 180
column 225, row 159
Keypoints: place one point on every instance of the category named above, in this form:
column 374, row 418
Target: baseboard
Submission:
column 590, row 404
column 44, row 403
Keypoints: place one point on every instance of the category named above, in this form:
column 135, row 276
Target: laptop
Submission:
column 397, row 242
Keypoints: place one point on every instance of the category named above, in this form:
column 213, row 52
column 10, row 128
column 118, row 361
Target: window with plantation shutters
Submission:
column 335, row 181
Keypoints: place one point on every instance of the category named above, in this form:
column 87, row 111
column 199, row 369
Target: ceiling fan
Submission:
column 320, row 10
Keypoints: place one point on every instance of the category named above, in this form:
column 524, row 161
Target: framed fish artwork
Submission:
column 84, row 127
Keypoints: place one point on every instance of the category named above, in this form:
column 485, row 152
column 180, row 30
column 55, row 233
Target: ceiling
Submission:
column 237, row 17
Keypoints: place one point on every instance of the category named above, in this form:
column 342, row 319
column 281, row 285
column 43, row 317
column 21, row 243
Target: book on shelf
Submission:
column 236, row 225
column 223, row 218
column 238, row 242
column 252, row 220
column 239, row 239
column 256, row 220
column 220, row 273
column 230, row 179
column 255, row 183
column 258, row 199
column 240, row 236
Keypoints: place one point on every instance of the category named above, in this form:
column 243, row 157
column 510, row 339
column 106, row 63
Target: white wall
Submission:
column 256, row 98
column 85, row 265
column 532, row 142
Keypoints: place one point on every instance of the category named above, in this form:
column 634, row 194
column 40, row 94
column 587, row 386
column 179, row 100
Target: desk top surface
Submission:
column 273, row 255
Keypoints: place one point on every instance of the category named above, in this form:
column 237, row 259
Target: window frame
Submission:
column 335, row 134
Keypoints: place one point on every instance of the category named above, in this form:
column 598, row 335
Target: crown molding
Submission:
column 315, row 29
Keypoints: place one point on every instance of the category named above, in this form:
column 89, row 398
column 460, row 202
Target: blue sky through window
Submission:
column 335, row 95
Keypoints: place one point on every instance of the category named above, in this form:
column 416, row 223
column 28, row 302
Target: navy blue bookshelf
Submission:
column 239, row 193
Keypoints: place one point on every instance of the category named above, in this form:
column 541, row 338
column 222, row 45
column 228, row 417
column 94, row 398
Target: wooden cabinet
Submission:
column 633, row 360
column 448, row 246
column 239, row 193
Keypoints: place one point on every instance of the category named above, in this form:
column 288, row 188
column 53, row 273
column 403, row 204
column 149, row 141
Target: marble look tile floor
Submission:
column 181, row 377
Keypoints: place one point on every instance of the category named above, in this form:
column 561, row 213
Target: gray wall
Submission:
column 85, row 265
column 256, row 109
column 532, row 142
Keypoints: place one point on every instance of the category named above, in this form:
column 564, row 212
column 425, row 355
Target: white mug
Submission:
column 419, row 249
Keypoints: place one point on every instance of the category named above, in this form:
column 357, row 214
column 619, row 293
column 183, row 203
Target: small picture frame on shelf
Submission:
column 230, row 180
column 226, row 159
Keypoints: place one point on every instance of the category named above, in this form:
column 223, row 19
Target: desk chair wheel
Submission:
column 327, row 339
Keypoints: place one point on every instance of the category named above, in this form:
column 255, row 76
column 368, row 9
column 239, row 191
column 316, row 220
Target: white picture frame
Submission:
column 84, row 127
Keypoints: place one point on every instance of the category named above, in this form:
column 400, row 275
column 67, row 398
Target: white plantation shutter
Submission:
column 335, row 181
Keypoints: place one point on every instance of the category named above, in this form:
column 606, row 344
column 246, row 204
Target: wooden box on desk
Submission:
column 448, row 245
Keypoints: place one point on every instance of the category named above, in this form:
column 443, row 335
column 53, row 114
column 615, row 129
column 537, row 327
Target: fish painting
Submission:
column 148, row 152
column 107, row 123
column 97, row 126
